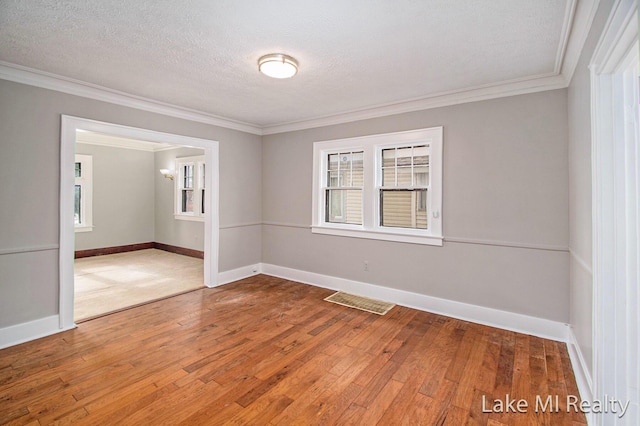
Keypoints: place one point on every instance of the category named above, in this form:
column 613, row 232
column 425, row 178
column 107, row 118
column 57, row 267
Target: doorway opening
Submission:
column 139, row 233
column 161, row 151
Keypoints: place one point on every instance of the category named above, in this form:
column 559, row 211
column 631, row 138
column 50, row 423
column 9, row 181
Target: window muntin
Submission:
column 399, row 186
column 83, row 193
column 190, row 191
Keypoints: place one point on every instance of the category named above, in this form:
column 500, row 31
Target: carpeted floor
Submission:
column 110, row 283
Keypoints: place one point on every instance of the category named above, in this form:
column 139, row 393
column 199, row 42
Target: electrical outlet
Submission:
column 366, row 265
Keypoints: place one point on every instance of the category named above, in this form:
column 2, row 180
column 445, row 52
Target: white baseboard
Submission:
column 581, row 372
column 20, row 333
column 226, row 277
column 479, row 314
column 541, row 327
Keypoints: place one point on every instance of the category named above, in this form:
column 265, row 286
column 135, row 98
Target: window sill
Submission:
column 83, row 228
column 397, row 236
column 189, row 218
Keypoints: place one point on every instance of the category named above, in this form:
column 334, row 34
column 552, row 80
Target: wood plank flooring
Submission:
column 266, row 351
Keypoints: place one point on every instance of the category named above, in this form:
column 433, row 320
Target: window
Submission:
column 190, row 190
column 386, row 187
column 344, row 188
column 83, row 193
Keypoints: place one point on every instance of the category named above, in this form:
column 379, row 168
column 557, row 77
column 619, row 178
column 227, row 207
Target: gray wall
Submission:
column 30, row 169
column 123, row 197
column 505, row 180
column 169, row 230
column 580, row 231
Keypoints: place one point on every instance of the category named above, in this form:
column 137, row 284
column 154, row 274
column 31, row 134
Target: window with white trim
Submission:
column 386, row 187
column 190, row 190
column 83, row 193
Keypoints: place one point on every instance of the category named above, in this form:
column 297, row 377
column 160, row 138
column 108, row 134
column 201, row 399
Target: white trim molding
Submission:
column 577, row 22
column 616, row 220
column 46, row 80
column 226, row 277
column 69, row 127
column 31, row 330
column 580, row 371
column 520, row 323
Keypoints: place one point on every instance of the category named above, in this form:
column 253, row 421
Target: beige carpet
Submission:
column 113, row 282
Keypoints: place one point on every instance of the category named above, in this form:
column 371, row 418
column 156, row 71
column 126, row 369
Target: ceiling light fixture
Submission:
column 277, row 65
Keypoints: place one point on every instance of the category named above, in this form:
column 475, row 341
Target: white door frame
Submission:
column 69, row 126
column 616, row 213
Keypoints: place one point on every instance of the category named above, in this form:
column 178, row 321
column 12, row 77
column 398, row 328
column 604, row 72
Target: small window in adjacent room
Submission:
column 386, row 187
column 190, row 191
column 83, row 193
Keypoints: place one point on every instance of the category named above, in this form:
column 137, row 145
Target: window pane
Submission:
column 333, row 162
column 333, row 180
column 420, row 155
column 421, row 176
column 404, row 156
column 188, row 176
column 389, row 176
column 77, row 206
column 403, row 208
column 405, row 166
column 345, row 169
column 345, row 161
column 187, row 201
column 357, row 169
column 358, row 178
column 389, row 157
column 344, row 206
column 404, row 176
column 78, row 169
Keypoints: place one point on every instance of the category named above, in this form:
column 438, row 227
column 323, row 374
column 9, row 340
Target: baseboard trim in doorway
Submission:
column 179, row 250
column 30, row 330
column 113, row 250
column 199, row 254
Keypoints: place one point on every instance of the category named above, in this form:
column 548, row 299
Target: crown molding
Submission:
column 579, row 16
column 583, row 15
column 45, row 80
column 565, row 33
column 480, row 93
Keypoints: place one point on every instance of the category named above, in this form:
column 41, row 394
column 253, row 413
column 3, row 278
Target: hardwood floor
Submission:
column 269, row 351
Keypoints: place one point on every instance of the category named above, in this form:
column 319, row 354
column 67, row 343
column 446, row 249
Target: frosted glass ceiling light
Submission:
column 277, row 65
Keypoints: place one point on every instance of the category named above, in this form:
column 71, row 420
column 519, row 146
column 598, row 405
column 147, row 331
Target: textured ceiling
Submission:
column 353, row 55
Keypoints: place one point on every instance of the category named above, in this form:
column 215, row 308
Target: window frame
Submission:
column 199, row 190
column 86, row 190
column 372, row 147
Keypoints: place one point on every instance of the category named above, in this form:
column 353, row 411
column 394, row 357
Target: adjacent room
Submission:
column 138, row 222
column 296, row 212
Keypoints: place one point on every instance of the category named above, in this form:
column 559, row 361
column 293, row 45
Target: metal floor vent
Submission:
column 359, row 302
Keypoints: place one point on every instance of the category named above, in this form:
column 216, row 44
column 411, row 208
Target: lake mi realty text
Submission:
column 554, row 403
